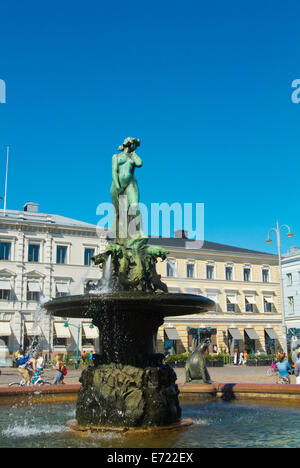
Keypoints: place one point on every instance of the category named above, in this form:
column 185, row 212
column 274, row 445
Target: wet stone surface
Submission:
column 124, row 395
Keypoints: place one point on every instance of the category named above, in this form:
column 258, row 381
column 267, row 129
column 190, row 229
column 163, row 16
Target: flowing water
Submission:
column 215, row 424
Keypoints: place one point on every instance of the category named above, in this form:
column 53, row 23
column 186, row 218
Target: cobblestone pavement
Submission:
column 226, row 374
column 237, row 374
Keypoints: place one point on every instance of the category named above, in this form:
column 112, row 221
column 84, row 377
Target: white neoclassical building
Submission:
column 44, row 256
column 291, row 295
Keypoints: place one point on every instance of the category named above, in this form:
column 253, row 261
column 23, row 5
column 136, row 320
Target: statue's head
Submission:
column 130, row 143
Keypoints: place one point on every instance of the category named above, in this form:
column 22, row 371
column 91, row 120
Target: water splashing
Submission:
column 81, row 281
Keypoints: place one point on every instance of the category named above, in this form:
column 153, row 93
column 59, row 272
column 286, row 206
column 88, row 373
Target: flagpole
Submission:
column 7, row 154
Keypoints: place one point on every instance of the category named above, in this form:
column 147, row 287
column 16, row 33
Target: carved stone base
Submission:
column 116, row 395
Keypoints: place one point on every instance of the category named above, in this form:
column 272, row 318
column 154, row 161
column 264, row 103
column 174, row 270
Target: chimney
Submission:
column 32, row 207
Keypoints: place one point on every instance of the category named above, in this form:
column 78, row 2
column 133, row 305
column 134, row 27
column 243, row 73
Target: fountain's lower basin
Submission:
column 215, row 424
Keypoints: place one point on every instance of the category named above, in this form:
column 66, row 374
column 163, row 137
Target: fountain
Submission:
column 129, row 385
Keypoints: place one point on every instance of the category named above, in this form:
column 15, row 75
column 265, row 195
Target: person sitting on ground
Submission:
column 59, row 367
column 284, row 368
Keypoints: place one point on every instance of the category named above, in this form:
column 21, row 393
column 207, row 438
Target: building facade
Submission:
column 290, row 264
column 44, row 256
column 244, row 285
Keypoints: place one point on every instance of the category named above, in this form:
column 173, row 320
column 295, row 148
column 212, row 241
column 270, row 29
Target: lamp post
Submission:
column 67, row 324
column 277, row 230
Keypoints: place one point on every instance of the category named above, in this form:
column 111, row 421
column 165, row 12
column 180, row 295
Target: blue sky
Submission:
column 206, row 86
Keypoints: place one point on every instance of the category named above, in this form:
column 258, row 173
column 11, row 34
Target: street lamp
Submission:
column 289, row 235
column 67, row 324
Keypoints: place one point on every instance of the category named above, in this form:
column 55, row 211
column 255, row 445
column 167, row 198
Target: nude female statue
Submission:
column 124, row 184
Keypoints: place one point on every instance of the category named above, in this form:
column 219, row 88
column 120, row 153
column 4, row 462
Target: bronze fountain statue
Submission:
column 129, row 385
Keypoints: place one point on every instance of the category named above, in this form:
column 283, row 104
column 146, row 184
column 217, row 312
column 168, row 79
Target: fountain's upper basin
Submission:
column 166, row 304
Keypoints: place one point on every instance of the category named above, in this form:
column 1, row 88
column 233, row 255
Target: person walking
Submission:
column 59, row 367
column 284, row 370
column 241, row 358
column 297, row 369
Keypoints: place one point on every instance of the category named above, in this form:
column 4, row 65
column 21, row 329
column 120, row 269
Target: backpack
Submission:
column 64, row 370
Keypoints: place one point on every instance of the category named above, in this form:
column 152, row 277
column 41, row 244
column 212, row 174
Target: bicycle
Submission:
column 36, row 380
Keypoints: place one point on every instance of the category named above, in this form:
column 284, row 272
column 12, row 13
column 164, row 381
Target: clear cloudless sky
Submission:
column 206, row 86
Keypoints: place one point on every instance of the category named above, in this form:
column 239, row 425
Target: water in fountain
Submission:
column 81, row 281
column 105, row 284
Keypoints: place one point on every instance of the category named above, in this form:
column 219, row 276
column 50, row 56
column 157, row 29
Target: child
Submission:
column 59, row 376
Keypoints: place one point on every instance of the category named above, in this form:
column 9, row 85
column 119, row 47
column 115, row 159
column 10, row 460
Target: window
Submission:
column 230, row 303
column 62, row 289
column 33, row 296
column 88, row 254
column 61, row 254
column 190, row 269
column 209, row 271
column 5, row 248
column 247, row 273
column 265, row 275
column 289, row 278
column 5, row 294
column 33, row 291
column 249, row 304
column 170, row 267
column 61, row 334
column 228, row 273
column 291, row 305
column 33, row 253
column 268, row 301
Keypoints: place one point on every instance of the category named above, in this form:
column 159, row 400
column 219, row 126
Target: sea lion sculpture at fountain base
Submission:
column 195, row 369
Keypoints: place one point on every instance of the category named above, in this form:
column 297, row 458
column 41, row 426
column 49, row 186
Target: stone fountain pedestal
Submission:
column 118, row 395
column 129, row 385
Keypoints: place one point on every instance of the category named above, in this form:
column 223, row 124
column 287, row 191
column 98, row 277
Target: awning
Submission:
column 269, row 299
column 33, row 286
column 62, row 288
column 272, row 334
column 91, row 333
column 32, row 330
column 6, row 285
column 232, row 299
column 61, row 331
column 250, row 299
column 252, row 333
column 235, row 333
column 293, row 325
column 158, row 337
column 174, row 290
column 5, row 329
column 172, row 334
column 193, row 291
